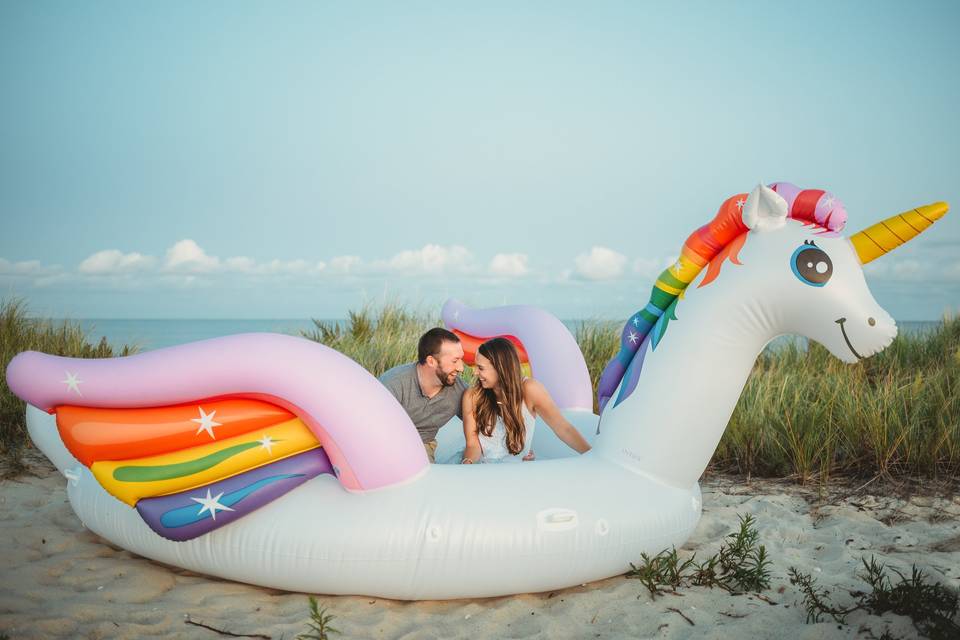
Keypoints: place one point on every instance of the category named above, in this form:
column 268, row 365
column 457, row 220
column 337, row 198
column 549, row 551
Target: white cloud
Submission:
column 653, row 267
column 51, row 280
column 113, row 261
column 295, row 267
column 646, row 267
column 186, row 264
column 186, row 255
column 24, row 268
column 431, row 258
column 907, row 269
column 242, row 264
column 245, row 265
column 600, row 264
column 897, row 269
column 509, row 264
column 344, row 264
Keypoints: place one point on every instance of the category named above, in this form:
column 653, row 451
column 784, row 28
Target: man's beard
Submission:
column 444, row 378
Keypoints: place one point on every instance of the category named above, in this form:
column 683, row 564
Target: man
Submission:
column 430, row 390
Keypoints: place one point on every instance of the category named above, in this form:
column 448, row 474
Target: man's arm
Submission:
column 393, row 386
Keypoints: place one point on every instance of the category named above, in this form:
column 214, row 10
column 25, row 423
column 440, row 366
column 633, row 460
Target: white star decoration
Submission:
column 267, row 443
column 206, row 422
column 73, row 382
column 633, row 337
column 676, row 267
column 636, row 321
column 740, row 203
column 456, row 315
column 211, row 504
column 828, row 202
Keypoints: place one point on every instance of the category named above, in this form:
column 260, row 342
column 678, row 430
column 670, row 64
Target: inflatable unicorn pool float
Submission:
column 276, row 461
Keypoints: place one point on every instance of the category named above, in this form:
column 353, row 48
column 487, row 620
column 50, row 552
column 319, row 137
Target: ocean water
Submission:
column 151, row 334
column 155, row 334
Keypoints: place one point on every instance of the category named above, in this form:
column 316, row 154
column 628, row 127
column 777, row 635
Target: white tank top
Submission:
column 494, row 447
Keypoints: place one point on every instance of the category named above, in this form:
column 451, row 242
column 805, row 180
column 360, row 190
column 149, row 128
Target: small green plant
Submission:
column 932, row 607
column 319, row 625
column 741, row 565
column 662, row 570
column 816, row 600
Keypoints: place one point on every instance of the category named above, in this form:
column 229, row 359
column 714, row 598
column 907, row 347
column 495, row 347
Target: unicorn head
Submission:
column 812, row 277
column 800, row 274
column 809, row 276
column 770, row 263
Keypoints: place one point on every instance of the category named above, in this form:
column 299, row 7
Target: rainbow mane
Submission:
column 718, row 240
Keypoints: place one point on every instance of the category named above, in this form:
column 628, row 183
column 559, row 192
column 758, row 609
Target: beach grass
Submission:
column 378, row 338
column 20, row 332
column 803, row 414
column 599, row 340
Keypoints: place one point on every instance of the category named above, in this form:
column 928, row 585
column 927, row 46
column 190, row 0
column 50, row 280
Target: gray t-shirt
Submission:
column 427, row 414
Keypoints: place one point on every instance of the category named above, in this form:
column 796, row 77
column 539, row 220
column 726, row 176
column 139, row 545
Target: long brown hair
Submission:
column 503, row 356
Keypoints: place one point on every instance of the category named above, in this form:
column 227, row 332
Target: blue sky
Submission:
column 266, row 160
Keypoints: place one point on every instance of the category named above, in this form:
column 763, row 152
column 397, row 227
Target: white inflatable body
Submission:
column 436, row 538
column 453, row 531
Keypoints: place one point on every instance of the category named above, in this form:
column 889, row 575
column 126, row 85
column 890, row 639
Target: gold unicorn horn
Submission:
column 885, row 236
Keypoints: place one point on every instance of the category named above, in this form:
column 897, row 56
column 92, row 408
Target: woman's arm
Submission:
column 472, row 452
column 538, row 396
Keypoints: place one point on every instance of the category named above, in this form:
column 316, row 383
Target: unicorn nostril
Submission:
column 871, row 322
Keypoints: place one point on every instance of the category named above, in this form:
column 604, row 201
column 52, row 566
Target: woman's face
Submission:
column 486, row 374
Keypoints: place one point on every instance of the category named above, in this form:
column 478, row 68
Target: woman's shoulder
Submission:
column 532, row 386
column 533, row 394
column 470, row 395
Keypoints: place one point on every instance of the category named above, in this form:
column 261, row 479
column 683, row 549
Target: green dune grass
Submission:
column 803, row 413
column 19, row 332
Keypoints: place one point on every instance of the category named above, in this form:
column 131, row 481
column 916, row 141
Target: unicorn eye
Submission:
column 811, row 265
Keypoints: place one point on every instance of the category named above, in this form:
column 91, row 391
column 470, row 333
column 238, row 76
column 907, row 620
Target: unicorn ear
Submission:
column 765, row 209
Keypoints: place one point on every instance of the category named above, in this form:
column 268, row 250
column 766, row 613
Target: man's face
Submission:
column 449, row 362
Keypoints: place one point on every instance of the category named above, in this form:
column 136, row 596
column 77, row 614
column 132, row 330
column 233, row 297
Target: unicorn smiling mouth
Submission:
column 840, row 322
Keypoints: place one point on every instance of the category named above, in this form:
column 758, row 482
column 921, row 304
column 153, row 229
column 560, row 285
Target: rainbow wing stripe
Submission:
column 221, row 456
column 186, row 515
column 130, row 480
column 92, row 433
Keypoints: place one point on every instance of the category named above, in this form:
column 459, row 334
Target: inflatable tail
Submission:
column 197, row 435
column 541, row 339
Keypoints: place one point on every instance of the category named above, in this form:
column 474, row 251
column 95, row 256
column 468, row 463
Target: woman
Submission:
column 499, row 411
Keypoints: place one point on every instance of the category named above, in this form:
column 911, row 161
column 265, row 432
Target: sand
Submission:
column 59, row 580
